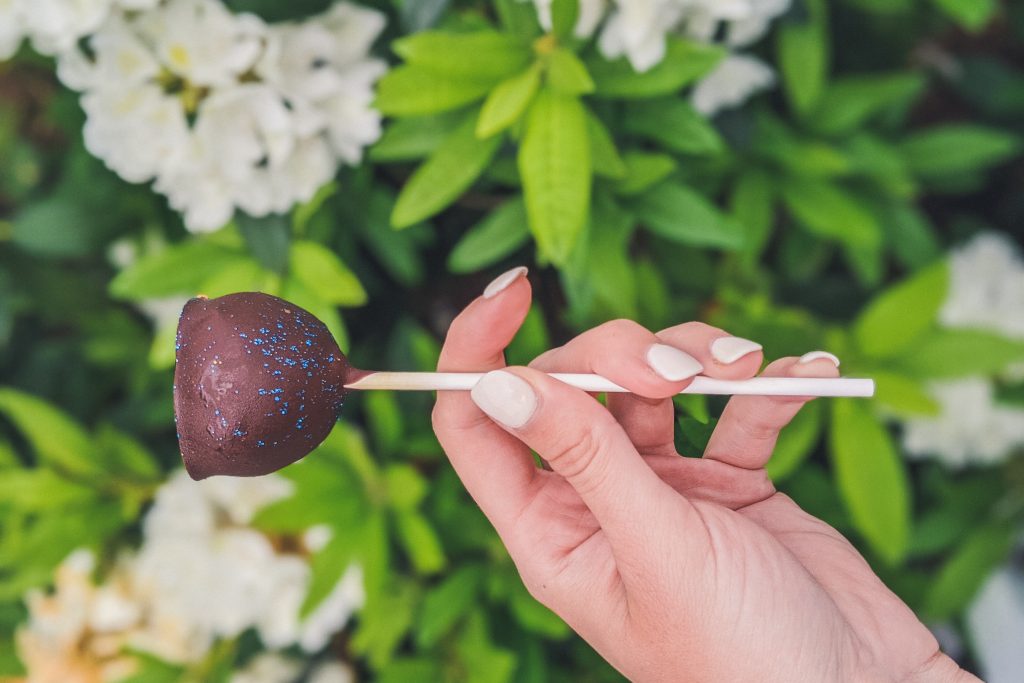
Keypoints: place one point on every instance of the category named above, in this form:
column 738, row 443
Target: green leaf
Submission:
column 898, row 317
column 826, row 210
column 965, row 572
column 505, row 104
column 518, row 18
column 802, row 52
column 871, row 479
column 448, row 602
column 408, row 669
column 683, row 64
column 415, row 137
column 56, row 439
column 958, row 353
column 564, row 14
column 179, row 269
column 34, row 490
column 320, row 270
column 535, row 617
column 682, row 215
column 384, row 621
column 554, row 163
column 415, row 91
column 420, row 541
column 910, row 234
column 326, row 568
column 672, row 122
column 267, row 238
column 477, row 56
column 643, row 170
column 796, row 442
column 55, row 227
column 567, row 74
column 752, row 205
column 406, row 487
column 441, row 179
column 483, row 661
column 849, row 102
column 306, row 211
column 957, row 148
column 902, row 395
column 125, row 457
column 605, row 157
column 502, row 232
column 973, row 15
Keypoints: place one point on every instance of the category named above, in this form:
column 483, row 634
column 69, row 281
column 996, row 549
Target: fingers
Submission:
column 746, row 434
column 586, row 446
column 629, row 355
column 653, row 367
column 495, row 467
column 722, row 355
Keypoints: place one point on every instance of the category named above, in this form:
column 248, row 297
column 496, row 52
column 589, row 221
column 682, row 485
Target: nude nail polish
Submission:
column 500, row 283
column 671, row 363
column 505, row 397
column 816, row 355
column 728, row 350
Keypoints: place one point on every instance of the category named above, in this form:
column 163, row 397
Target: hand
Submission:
column 672, row 568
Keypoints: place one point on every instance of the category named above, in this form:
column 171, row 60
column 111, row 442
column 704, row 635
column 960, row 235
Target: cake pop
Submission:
column 259, row 383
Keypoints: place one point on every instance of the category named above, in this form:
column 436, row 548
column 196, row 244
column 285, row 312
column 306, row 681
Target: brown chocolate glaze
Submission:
column 258, row 384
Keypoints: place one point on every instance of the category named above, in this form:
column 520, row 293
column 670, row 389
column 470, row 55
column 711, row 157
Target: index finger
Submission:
column 495, row 467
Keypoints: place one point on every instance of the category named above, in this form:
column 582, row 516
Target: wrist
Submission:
column 940, row 669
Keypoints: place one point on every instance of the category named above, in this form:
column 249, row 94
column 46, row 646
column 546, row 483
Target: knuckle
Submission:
column 579, row 459
column 619, row 326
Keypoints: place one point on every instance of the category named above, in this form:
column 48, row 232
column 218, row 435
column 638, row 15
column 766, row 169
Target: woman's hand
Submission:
column 672, row 568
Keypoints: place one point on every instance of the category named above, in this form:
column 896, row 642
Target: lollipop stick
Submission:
column 758, row 386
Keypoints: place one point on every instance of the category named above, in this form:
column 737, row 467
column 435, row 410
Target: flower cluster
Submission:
column 202, row 574
column 986, row 291
column 637, row 29
column 224, row 111
column 54, row 26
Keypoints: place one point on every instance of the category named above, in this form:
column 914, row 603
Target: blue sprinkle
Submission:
column 243, row 335
column 238, row 432
column 260, row 444
column 294, row 348
column 264, row 330
column 263, row 392
column 277, row 399
column 280, row 326
column 277, row 372
column 216, row 411
column 257, row 341
column 309, row 342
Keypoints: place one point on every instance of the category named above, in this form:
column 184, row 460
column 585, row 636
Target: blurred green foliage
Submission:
column 816, row 217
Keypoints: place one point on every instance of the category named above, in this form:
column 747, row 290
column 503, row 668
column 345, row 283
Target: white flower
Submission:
column 731, row 83
column 971, row 427
column 77, row 633
column 224, row 112
column 589, row 17
column 268, row 667
column 54, row 26
column 332, row 672
column 986, row 286
column 202, row 41
column 995, row 621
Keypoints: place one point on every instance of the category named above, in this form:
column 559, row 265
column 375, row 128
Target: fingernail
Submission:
column 671, row 363
column 501, row 282
column 730, row 349
column 815, row 355
column 505, row 397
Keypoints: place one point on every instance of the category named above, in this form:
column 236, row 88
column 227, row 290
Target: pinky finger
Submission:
column 750, row 425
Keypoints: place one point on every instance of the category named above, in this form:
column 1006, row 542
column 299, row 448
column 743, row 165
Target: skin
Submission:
column 673, row 569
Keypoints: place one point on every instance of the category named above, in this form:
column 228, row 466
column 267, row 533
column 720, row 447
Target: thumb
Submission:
column 583, row 443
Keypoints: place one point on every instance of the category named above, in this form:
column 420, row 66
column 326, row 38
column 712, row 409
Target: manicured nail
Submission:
column 501, row 282
column 671, row 363
column 815, row 355
column 730, row 349
column 505, row 397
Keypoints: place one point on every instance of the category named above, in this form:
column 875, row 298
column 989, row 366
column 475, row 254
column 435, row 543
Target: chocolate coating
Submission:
column 258, row 384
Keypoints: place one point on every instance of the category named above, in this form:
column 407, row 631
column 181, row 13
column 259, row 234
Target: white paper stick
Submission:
column 757, row 386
